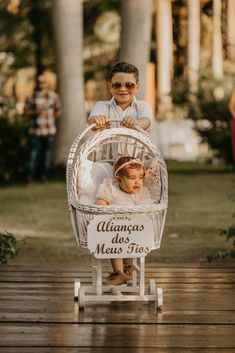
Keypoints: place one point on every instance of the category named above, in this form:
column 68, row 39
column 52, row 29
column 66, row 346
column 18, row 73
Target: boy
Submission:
column 123, row 85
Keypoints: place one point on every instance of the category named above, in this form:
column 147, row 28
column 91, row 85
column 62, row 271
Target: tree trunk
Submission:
column 68, row 30
column 193, row 46
column 164, row 55
column 217, row 48
column 136, row 35
column 231, row 29
column 34, row 16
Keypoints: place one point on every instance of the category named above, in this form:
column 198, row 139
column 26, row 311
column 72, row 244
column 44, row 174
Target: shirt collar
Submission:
column 133, row 102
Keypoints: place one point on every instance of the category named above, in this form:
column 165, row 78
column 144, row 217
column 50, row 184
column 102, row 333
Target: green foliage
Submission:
column 212, row 116
column 230, row 235
column 13, row 145
column 26, row 33
column 217, row 133
column 9, row 246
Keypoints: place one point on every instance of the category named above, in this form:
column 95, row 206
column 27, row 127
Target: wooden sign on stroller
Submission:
column 111, row 231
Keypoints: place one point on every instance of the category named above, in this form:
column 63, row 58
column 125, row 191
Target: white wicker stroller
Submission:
column 96, row 226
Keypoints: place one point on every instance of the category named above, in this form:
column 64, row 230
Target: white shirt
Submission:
column 137, row 109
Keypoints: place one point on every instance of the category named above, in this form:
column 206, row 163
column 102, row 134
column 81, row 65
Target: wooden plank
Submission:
column 172, row 300
column 104, row 314
column 66, row 279
column 38, row 313
column 172, row 265
column 119, row 335
column 27, row 287
column 154, row 269
column 158, row 267
column 113, row 350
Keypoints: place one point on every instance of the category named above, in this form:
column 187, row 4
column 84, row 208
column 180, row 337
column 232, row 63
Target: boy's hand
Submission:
column 101, row 122
column 128, row 121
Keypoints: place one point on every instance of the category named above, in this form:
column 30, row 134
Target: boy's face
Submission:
column 123, row 87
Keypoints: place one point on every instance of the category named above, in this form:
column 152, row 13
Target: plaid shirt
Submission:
column 42, row 124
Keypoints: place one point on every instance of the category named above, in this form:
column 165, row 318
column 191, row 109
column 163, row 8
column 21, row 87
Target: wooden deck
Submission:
column 38, row 313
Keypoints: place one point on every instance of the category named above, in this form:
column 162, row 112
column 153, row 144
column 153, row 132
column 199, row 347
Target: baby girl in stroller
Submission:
column 127, row 187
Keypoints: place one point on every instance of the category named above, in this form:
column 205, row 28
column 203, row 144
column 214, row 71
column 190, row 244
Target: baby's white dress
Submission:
column 109, row 190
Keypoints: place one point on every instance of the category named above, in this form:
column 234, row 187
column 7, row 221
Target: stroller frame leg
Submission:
column 97, row 275
column 133, row 291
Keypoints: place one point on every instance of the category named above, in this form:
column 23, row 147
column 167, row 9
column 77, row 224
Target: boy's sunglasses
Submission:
column 128, row 85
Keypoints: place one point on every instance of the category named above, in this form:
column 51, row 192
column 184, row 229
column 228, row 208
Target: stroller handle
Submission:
column 90, row 127
column 136, row 127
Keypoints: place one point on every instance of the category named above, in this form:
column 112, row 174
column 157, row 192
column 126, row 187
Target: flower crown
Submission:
column 130, row 162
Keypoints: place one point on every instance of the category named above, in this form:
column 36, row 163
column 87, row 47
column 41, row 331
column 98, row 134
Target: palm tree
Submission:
column 193, row 46
column 164, row 55
column 68, row 30
column 217, row 47
column 231, row 29
column 136, row 35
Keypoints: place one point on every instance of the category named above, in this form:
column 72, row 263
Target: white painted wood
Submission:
column 120, row 236
column 142, row 275
column 123, row 298
column 159, row 297
column 125, row 292
column 134, row 274
column 152, row 286
column 99, row 277
column 77, row 285
column 81, row 298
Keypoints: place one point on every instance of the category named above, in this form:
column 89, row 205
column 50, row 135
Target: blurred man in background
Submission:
column 42, row 108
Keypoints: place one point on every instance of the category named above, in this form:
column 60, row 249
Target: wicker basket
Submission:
column 106, row 146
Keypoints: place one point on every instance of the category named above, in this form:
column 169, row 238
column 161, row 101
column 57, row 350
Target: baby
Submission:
column 126, row 188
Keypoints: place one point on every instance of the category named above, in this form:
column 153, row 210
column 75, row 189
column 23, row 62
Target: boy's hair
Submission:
column 124, row 67
column 124, row 163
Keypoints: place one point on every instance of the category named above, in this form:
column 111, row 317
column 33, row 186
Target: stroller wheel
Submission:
column 77, row 285
column 152, row 286
column 81, row 298
column 159, row 297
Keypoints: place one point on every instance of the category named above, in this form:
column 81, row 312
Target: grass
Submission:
column 199, row 206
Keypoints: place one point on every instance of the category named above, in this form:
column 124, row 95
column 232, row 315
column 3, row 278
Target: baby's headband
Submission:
column 132, row 161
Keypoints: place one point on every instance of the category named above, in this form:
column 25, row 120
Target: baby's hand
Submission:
column 101, row 122
column 128, row 121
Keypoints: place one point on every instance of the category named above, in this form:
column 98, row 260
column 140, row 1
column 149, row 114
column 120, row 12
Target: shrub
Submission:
column 213, row 119
column 13, row 145
column 230, row 234
column 9, row 246
column 217, row 132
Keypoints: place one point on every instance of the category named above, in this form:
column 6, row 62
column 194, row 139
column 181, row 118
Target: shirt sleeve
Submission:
column 100, row 108
column 144, row 110
column 57, row 102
